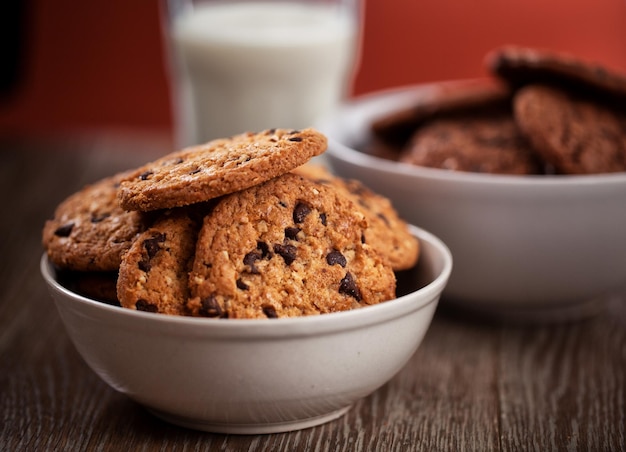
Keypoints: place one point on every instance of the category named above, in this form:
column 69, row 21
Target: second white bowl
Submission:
column 536, row 246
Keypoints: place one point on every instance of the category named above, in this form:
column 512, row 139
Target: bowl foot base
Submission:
column 250, row 429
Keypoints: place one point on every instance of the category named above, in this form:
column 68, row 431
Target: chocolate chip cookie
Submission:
column 89, row 230
column 219, row 167
column 153, row 275
column 386, row 231
column 287, row 247
column 575, row 133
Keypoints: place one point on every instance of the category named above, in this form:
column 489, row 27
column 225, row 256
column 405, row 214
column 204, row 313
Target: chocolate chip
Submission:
column 144, row 265
column 145, row 175
column 99, row 218
column 262, row 251
column 335, row 257
column 270, row 312
column 250, row 260
column 296, row 139
column 300, row 212
column 152, row 247
column 323, row 218
column 65, row 230
column 384, row 218
column 143, row 305
column 242, row 285
column 287, row 252
column 210, row 307
column 153, row 244
column 292, row 233
column 264, row 248
column 348, row 287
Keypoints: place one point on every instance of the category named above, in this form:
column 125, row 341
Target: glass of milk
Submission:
column 249, row 65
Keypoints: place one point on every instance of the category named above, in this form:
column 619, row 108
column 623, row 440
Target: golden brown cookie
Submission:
column 574, row 133
column 90, row 231
column 287, row 247
column 386, row 231
column 153, row 273
column 219, row 167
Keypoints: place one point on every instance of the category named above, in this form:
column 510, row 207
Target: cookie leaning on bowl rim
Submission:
column 219, row 167
column 153, row 272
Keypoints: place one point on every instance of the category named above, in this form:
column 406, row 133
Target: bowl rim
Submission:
column 368, row 105
column 304, row 326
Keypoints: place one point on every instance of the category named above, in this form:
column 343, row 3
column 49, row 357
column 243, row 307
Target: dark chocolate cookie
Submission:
column 480, row 144
column 573, row 133
column 520, row 66
column 393, row 129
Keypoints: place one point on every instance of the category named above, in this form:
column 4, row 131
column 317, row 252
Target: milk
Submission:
column 251, row 66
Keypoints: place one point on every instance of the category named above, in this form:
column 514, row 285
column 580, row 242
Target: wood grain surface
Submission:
column 473, row 385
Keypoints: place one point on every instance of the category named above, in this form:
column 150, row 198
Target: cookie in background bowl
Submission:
column 576, row 134
column 396, row 127
column 473, row 143
column 571, row 110
column 519, row 66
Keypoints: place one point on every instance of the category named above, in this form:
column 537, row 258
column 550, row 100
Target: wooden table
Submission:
column 472, row 385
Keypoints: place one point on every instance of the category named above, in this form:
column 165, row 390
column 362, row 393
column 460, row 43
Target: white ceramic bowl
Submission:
column 250, row 375
column 541, row 247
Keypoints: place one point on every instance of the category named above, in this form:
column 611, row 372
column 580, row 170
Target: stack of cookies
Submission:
column 539, row 112
column 240, row 227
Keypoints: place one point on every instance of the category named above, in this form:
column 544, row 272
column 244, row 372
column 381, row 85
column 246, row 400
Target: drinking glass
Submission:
column 249, row 65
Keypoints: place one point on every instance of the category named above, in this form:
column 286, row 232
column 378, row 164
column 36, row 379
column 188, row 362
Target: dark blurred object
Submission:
column 12, row 45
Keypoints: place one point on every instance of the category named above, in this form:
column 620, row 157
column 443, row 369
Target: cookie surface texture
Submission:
column 153, row 275
column 89, row 230
column 288, row 247
column 386, row 231
column 219, row 167
column 576, row 135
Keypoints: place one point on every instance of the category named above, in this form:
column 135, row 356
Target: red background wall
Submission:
column 97, row 65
